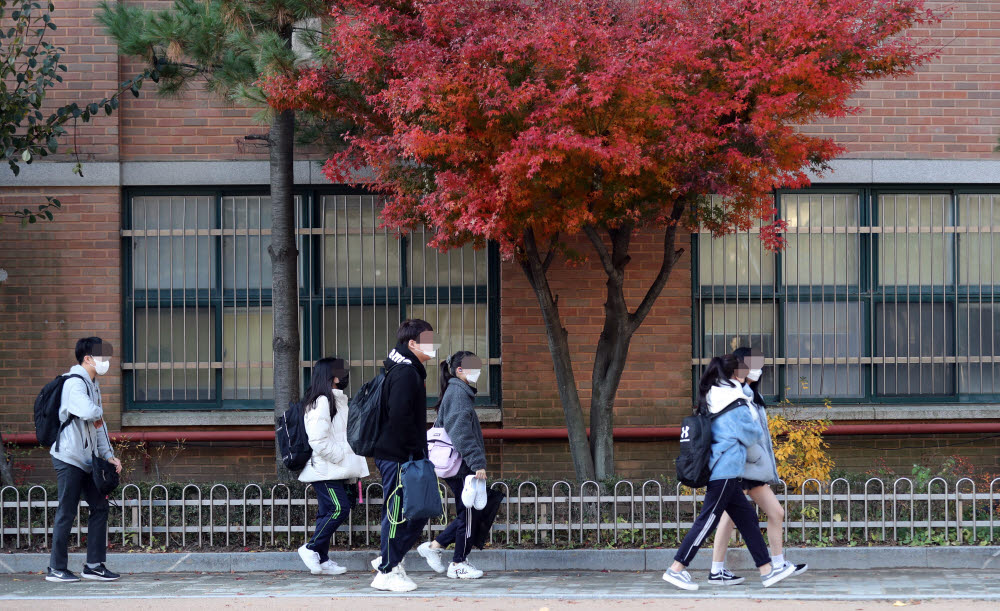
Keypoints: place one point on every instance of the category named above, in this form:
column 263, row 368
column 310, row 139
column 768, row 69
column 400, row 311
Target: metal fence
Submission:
column 626, row 514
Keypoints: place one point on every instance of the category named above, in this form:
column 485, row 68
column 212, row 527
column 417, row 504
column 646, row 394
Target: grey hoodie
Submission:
column 457, row 414
column 81, row 398
column 761, row 465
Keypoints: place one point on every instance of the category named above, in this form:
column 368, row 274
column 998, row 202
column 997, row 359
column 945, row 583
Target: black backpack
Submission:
column 48, row 429
column 293, row 441
column 364, row 416
column 696, row 447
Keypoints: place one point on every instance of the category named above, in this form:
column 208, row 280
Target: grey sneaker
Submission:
column 777, row 574
column 725, row 577
column 682, row 579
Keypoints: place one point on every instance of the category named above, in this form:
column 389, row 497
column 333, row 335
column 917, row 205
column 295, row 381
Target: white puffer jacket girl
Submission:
column 332, row 457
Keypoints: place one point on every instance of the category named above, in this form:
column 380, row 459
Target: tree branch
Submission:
column 551, row 254
column 670, row 258
column 602, row 250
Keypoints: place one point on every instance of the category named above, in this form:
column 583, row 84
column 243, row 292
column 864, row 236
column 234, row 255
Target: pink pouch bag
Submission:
column 441, row 453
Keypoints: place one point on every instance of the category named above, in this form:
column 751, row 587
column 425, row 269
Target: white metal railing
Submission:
column 625, row 514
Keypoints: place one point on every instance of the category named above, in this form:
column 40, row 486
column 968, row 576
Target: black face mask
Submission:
column 343, row 383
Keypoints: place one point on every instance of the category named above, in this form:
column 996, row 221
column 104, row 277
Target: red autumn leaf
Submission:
column 484, row 119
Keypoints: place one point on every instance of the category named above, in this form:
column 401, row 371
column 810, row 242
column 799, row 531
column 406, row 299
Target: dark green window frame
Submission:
column 868, row 293
column 313, row 298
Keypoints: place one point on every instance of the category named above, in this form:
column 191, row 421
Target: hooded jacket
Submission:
column 332, row 457
column 81, row 398
column 761, row 465
column 732, row 432
column 457, row 414
column 404, row 421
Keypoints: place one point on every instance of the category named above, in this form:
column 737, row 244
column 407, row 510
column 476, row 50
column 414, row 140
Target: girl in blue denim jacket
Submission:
column 733, row 431
column 760, row 470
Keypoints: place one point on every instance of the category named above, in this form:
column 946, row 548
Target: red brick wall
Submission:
column 92, row 74
column 65, row 276
column 64, row 283
column 656, row 384
column 949, row 109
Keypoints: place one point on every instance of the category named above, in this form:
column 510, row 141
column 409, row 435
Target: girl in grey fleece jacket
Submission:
column 457, row 414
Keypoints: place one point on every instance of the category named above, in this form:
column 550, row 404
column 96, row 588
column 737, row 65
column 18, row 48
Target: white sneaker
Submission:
column 469, row 491
column 463, row 570
column 480, row 501
column 330, row 568
column 311, row 559
column 393, row 581
column 680, row 579
column 377, row 561
column 432, row 556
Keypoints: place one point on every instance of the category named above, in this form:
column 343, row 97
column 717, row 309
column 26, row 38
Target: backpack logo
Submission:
column 685, row 433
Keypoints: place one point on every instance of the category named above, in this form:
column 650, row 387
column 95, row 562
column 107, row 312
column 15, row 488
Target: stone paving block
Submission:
column 654, row 560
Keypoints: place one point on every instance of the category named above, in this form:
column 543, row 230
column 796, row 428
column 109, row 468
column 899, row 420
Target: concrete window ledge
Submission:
column 242, row 418
column 893, row 412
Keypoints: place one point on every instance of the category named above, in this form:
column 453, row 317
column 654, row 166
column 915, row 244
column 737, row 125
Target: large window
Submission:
column 198, row 309
column 879, row 295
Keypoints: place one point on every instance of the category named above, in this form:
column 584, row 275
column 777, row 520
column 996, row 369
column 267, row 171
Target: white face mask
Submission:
column 754, row 374
column 473, row 375
column 101, row 367
column 428, row 349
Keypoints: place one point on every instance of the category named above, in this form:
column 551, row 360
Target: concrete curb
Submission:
column 831, row 558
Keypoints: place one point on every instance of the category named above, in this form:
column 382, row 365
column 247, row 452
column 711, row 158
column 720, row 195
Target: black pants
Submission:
column 459, row 529
column 335, row 505
column 725, row 495
column 72, row 482
column 397, row 536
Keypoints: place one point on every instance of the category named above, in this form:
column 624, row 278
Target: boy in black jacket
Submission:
column 403, row 436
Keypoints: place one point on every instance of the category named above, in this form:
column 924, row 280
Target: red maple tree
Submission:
column 527, row 123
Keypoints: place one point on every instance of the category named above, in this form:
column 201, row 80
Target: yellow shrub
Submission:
column 799, row 449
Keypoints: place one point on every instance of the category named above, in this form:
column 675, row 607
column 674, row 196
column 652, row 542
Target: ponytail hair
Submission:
column 447, row 370
column 719, row 371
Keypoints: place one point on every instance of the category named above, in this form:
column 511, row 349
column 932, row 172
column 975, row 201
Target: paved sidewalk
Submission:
column 869, row 585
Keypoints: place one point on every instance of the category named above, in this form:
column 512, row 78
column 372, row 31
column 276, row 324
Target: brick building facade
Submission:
column 922, row 147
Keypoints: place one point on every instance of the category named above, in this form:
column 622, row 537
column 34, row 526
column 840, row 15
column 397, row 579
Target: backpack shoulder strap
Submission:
column 731, row 406
column 71, row 417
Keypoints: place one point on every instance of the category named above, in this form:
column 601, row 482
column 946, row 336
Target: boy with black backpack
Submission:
column 402, row 436
column 77, row 439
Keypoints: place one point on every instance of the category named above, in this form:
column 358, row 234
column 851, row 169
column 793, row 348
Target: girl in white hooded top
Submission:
column 334, row 467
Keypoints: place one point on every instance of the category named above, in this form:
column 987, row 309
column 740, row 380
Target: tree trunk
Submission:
column 535, row 269
column 616, row 336
column 284, row 262
column 612, row 349
column 6, row 473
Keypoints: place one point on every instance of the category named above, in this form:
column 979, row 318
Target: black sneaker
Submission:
column 725, row 577
column 60, row 575
column 101, row 573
